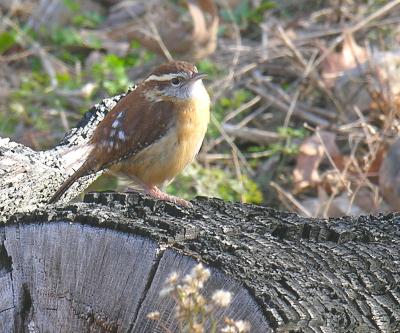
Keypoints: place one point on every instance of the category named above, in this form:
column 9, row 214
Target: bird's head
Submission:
column 174, row 81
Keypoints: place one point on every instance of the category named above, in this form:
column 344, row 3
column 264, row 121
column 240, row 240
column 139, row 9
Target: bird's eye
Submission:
column 176, row 81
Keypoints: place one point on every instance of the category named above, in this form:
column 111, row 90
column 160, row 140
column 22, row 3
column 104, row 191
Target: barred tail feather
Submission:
column 74, row 157
column 67, row 184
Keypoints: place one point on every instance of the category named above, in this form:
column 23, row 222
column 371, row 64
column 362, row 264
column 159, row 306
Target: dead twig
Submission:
column 358, row 26
column 310, row 70
column 291, row 199
column 242, row 108
column 234, row 148
column 255, row 135
column 282, row 106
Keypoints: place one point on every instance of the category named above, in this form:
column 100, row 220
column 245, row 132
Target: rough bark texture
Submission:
column 103, row 272
column 29, row 178
column 98, row 266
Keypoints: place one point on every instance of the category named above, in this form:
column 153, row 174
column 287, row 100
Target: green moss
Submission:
column 72, row 5
column 208, row 67
column 289, row 132
column 66, row 36
column 7, row 40
column 88, row 20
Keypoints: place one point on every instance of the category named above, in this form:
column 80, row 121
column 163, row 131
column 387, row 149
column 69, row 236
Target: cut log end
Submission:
column 63, row 277
column 99, row 266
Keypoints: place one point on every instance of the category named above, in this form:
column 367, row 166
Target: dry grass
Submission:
column 279, row 76
column 194, row 312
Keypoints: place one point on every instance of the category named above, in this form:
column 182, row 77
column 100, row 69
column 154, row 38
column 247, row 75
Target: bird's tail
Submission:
column 67, row 184
column 73, row 158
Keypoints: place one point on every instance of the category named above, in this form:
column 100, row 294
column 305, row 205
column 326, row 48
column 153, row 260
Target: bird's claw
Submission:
column 160, row 195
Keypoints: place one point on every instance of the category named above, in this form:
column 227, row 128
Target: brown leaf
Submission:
column 312, row 152
column 205, row 36
column 389, row 176
column 344, row 204
column 372, row 84
column 349, row 57
column 193, row 40
column 374, row 167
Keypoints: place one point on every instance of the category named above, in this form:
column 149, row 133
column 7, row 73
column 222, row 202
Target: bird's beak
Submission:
column 197, row 76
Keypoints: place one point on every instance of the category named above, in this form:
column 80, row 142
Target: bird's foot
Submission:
column 156, row 193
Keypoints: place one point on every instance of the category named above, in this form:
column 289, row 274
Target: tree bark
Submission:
column 28, row 178
column 98, row 266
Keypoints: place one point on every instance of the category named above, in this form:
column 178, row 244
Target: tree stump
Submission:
column 99, row 266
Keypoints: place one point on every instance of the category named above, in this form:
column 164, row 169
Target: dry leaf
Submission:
column 389, row 176
column 375, row 165
column 325, row 206
column 384, row 86
column 342, row 205
column 368, row 81
column 349, row 57
column 311, row 153
column 372, row 85
column 192, row 38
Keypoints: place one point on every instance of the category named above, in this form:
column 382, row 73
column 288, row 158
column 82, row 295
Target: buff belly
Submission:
column 167, row 157
column 159, row 163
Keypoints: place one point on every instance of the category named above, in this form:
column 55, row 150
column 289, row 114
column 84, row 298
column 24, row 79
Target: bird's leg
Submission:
column 156, row 193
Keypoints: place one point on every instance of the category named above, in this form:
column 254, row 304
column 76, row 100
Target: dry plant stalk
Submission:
column 193, row 311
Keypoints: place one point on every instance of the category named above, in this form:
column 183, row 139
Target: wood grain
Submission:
column 99, row 266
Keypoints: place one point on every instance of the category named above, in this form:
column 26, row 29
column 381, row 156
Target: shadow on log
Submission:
column 99, row 266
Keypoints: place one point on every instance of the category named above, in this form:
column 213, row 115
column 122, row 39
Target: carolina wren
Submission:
column 152, row 133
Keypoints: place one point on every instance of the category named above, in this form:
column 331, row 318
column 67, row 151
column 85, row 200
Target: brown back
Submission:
column 133, row 124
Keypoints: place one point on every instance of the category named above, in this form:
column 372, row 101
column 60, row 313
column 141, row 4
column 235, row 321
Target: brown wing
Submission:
column 126, row 130
column 129, row 128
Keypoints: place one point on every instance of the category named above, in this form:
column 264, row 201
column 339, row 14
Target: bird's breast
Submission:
column 168, row 156
column 192, row 121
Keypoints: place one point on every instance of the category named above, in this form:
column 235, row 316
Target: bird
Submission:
column 152, row 133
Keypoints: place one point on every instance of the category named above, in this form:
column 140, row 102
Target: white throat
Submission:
column 197, row 91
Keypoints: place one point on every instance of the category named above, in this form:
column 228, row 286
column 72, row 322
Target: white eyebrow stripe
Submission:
column 164, row 77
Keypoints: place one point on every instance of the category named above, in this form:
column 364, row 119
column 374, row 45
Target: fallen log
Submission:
column 99, row 266
column 29, row 178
